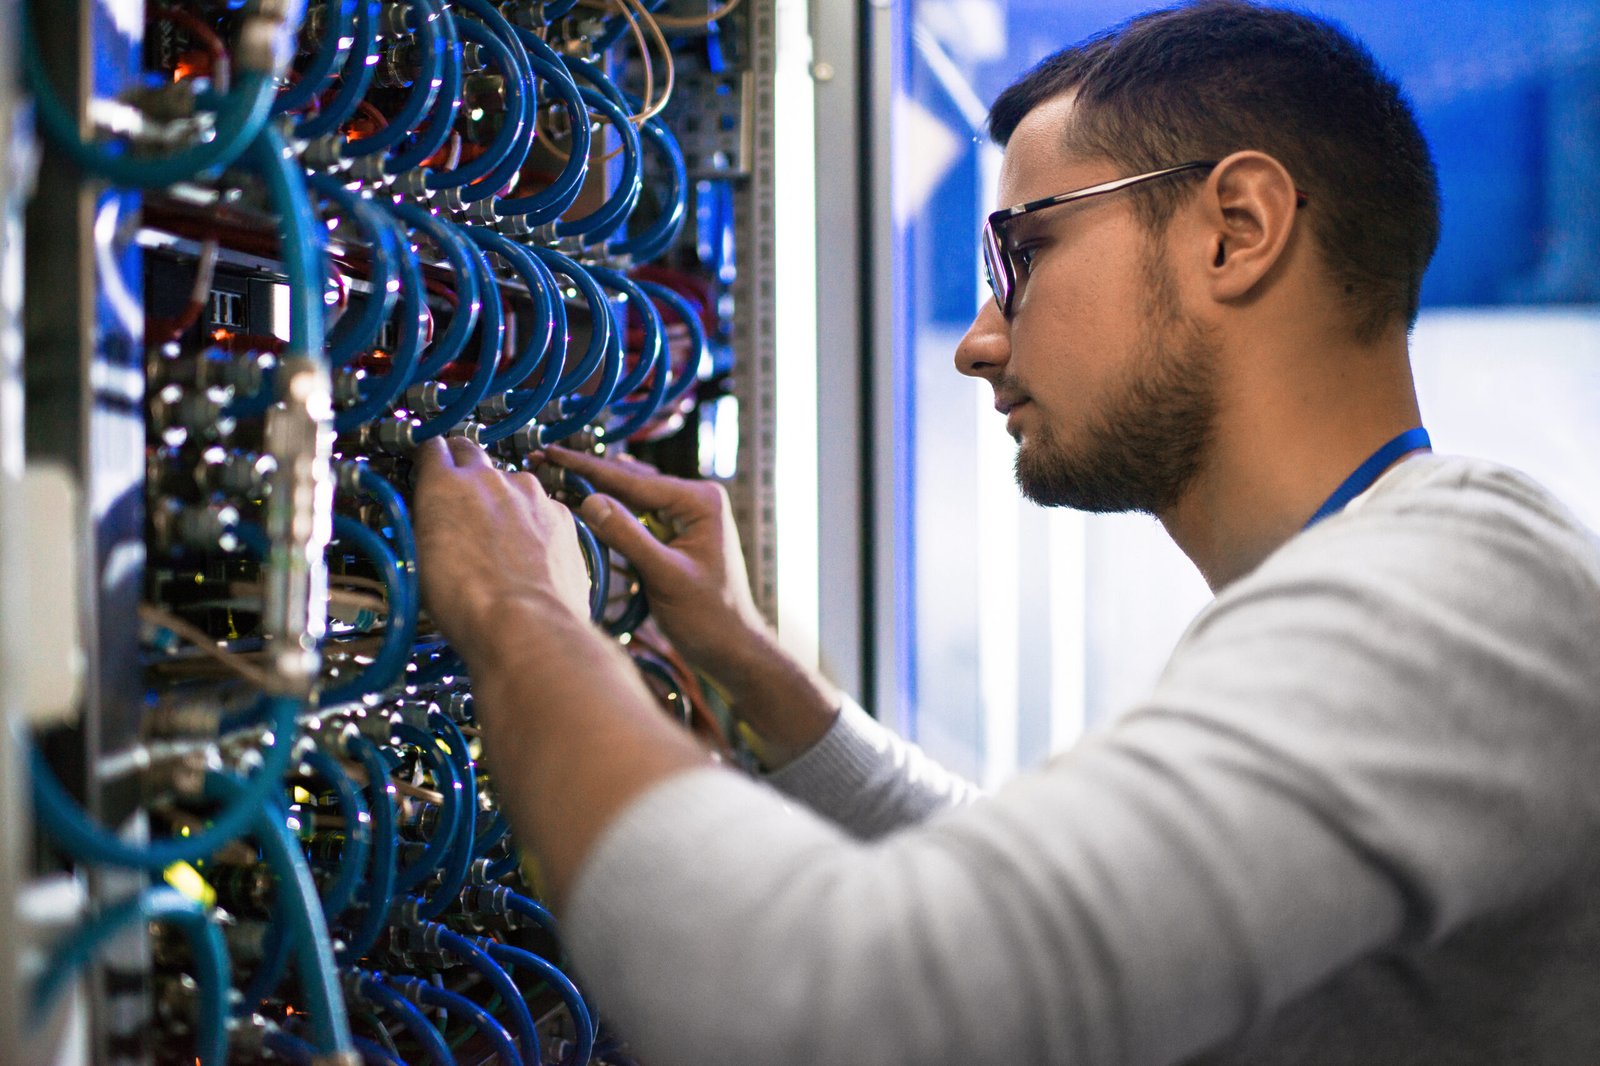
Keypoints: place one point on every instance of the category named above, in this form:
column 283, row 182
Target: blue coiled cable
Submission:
column 527, row 907
column 497, row 899
column 299, row 907
column 88, row 842
column 379, row 488
column 154, row 904
column 490, row 970
column 580, row 410
column 304, row 253
column 653, row 241
column 494, row 834
column 524, row 405
column 331, row 54
column 341, row 891
column 507, row 169
column 465, row 266
column 583, row 1022
column 379, row 392
column 502, row 867
column 544, row 292
column 241, row 116
column 435, row 852
column 480, row 1019
column 424, row 92
column 687, row 314
column 462, row 400
column 457, row 864
column 277, row 944
column 354, row 79
column 376, row 991
column 578, row 489
column 632, row 416
column 599, row 569
column 653, row 358
column 603, row 352
column 610, row 216
column 556, row 199
column 285, row 1045
column 442, row 115
column 515, row 136
column 357, row 332
column 388, row 666
column 633, row 614
column 380, row 883
column 654, row 351
column 375, row 1055
column 545, row 350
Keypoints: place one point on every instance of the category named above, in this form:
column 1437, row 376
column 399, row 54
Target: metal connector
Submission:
column 469, row 429
column 390, row 436
column 299, row 524
column 268, row 39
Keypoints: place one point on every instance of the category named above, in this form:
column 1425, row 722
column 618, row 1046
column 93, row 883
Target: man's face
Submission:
column 1106, row 383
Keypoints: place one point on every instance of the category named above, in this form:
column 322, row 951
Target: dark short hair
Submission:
column 1203, row 80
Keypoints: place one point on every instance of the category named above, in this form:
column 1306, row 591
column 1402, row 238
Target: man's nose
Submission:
column 986, row 346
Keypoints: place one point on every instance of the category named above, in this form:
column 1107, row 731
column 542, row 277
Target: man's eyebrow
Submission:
column 1026, row 225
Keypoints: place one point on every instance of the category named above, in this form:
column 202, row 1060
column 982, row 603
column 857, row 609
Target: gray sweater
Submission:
column 1356, row 823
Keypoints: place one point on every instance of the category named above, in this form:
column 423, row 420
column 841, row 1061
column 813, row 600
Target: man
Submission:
column 1356, row 821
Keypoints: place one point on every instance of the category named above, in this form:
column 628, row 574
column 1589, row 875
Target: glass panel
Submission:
column 1025, row 625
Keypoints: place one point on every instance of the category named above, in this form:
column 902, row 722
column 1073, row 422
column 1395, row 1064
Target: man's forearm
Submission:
column 788, row 705
column 570, row 732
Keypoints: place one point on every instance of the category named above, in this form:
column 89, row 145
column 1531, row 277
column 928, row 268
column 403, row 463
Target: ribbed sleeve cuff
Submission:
column 838, row 766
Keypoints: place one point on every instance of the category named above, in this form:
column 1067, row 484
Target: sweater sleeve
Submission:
column 1380, row 735
column 868, row 780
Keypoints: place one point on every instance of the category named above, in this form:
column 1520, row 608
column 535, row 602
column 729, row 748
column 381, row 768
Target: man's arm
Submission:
column 839, row 762
column 1347, row 756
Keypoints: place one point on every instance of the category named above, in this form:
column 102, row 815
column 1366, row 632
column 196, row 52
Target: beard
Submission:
column 1143, row 448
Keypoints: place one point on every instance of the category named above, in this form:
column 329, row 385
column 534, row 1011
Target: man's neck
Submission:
column 1279, row 453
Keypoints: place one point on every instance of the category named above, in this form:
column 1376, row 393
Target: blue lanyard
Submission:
column 1365, row 474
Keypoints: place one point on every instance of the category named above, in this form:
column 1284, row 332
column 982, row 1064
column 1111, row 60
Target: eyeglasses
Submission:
column 1000, row 258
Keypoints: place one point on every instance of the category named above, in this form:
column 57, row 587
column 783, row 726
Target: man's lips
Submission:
column 1008, row 404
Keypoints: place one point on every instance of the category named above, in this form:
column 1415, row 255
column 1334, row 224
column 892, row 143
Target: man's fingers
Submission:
column 636, row 483
column 618, row 529
column 527, row 485
column 466, row 453
column 432, row 455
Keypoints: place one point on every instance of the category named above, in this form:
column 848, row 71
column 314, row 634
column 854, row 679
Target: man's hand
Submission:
column 700, row 596
column 698, row 589
column 489, row 541
column 571, row 734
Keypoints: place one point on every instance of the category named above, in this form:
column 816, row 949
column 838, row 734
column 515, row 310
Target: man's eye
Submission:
column 1022, row 258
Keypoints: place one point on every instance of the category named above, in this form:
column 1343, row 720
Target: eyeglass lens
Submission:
column 994, row 268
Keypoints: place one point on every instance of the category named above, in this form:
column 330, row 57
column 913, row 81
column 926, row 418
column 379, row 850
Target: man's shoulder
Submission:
column 1440, row 518
column 1461, row 488
column 1455, row 550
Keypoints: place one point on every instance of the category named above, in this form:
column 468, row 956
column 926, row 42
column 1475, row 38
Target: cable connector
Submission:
column 488, row 899
column 390, row 436
column 324, row 153
column 468, row 429
column 269, row 37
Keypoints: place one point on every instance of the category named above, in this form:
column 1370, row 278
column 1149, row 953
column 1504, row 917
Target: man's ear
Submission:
column 1250, row 205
